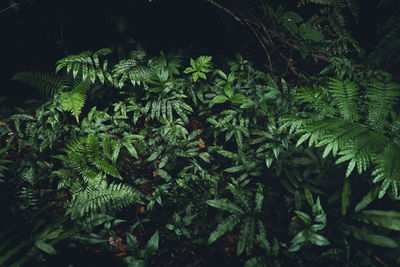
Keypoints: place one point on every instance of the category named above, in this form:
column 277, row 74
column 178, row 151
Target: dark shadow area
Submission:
column 37, row 34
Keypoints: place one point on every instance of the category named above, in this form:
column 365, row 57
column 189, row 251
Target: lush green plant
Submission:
column 216, row 153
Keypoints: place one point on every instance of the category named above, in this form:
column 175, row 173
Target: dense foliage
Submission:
column 174, row 159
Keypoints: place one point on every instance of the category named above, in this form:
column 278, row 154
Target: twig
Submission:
column 226, row 10
column 290, row 64
column 14, row 5
column 141, row 225
column 262, row 44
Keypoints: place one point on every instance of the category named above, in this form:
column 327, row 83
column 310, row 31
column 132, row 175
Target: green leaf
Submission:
column 238, row 99
column 259, row 198
column 350, row 167
column 235, row 169
column 219, row 99
column 225, row 226
column 382, row 218
column 205, row 156
column 368, row 236
column 224, row 205
column 292, row 16
column 346, row 193
column 318, row 240
column 309, row 197
column 314, row 35
column 367, row 199
column 246, row 236
column 152, row 244
column 327, row 150
column 304, row 217
column 228, row 90
column 132, row 242
column 40, row 244
column 303, row 138
column 256, row 262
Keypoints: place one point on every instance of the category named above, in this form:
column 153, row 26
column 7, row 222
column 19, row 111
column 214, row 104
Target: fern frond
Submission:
column 103, row 198
column 47, row 83
column 130, row 69
column 382, row 98
column 246, row 236
column 74, row 100
column 345, row 95
column 223, row 227
column 387, row 170
column 87, row 64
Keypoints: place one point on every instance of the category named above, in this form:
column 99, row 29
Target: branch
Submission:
column 262, row 44
column 226, row 10
column 15, row 5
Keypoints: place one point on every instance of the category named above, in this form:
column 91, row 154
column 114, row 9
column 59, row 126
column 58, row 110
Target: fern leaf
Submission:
column 246, row 236
column 345, row 95
column 387, row 170
column 382, row 98
column 223, row 227
column 47, row 83
column 222, row 205
column 74, row 101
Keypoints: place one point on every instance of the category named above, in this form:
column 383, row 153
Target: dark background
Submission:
column 40, row 32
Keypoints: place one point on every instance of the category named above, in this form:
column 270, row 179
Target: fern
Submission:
column 87, row 165
column 74, row 100
column 87, row 64
column 130, row 69
column 353, row 136
column 345, row 96
column 46, row 83
column 382, row 98
column 244, row 213
column 101, row 197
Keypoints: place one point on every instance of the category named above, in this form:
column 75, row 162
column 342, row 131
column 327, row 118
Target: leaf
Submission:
column 235, row 169
column 350, row 167
column 223, row 205
column 40, row 244
column 298, row 240
column 383, row 218
column 246, row 236
column 292, row 16
column 346, row 193
column 228, row 90
column 259, row 198
column 256, row 262
column 219, row 99
column 367, row 199
column 205, row 156
column 318, row 240
column 223, row 227
column 314, row 35
column 304, row 217
column 368, row 236
column 309, row 197
column 303, row 138
column 238, row 99
column 327, row 150
column 152, row 244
